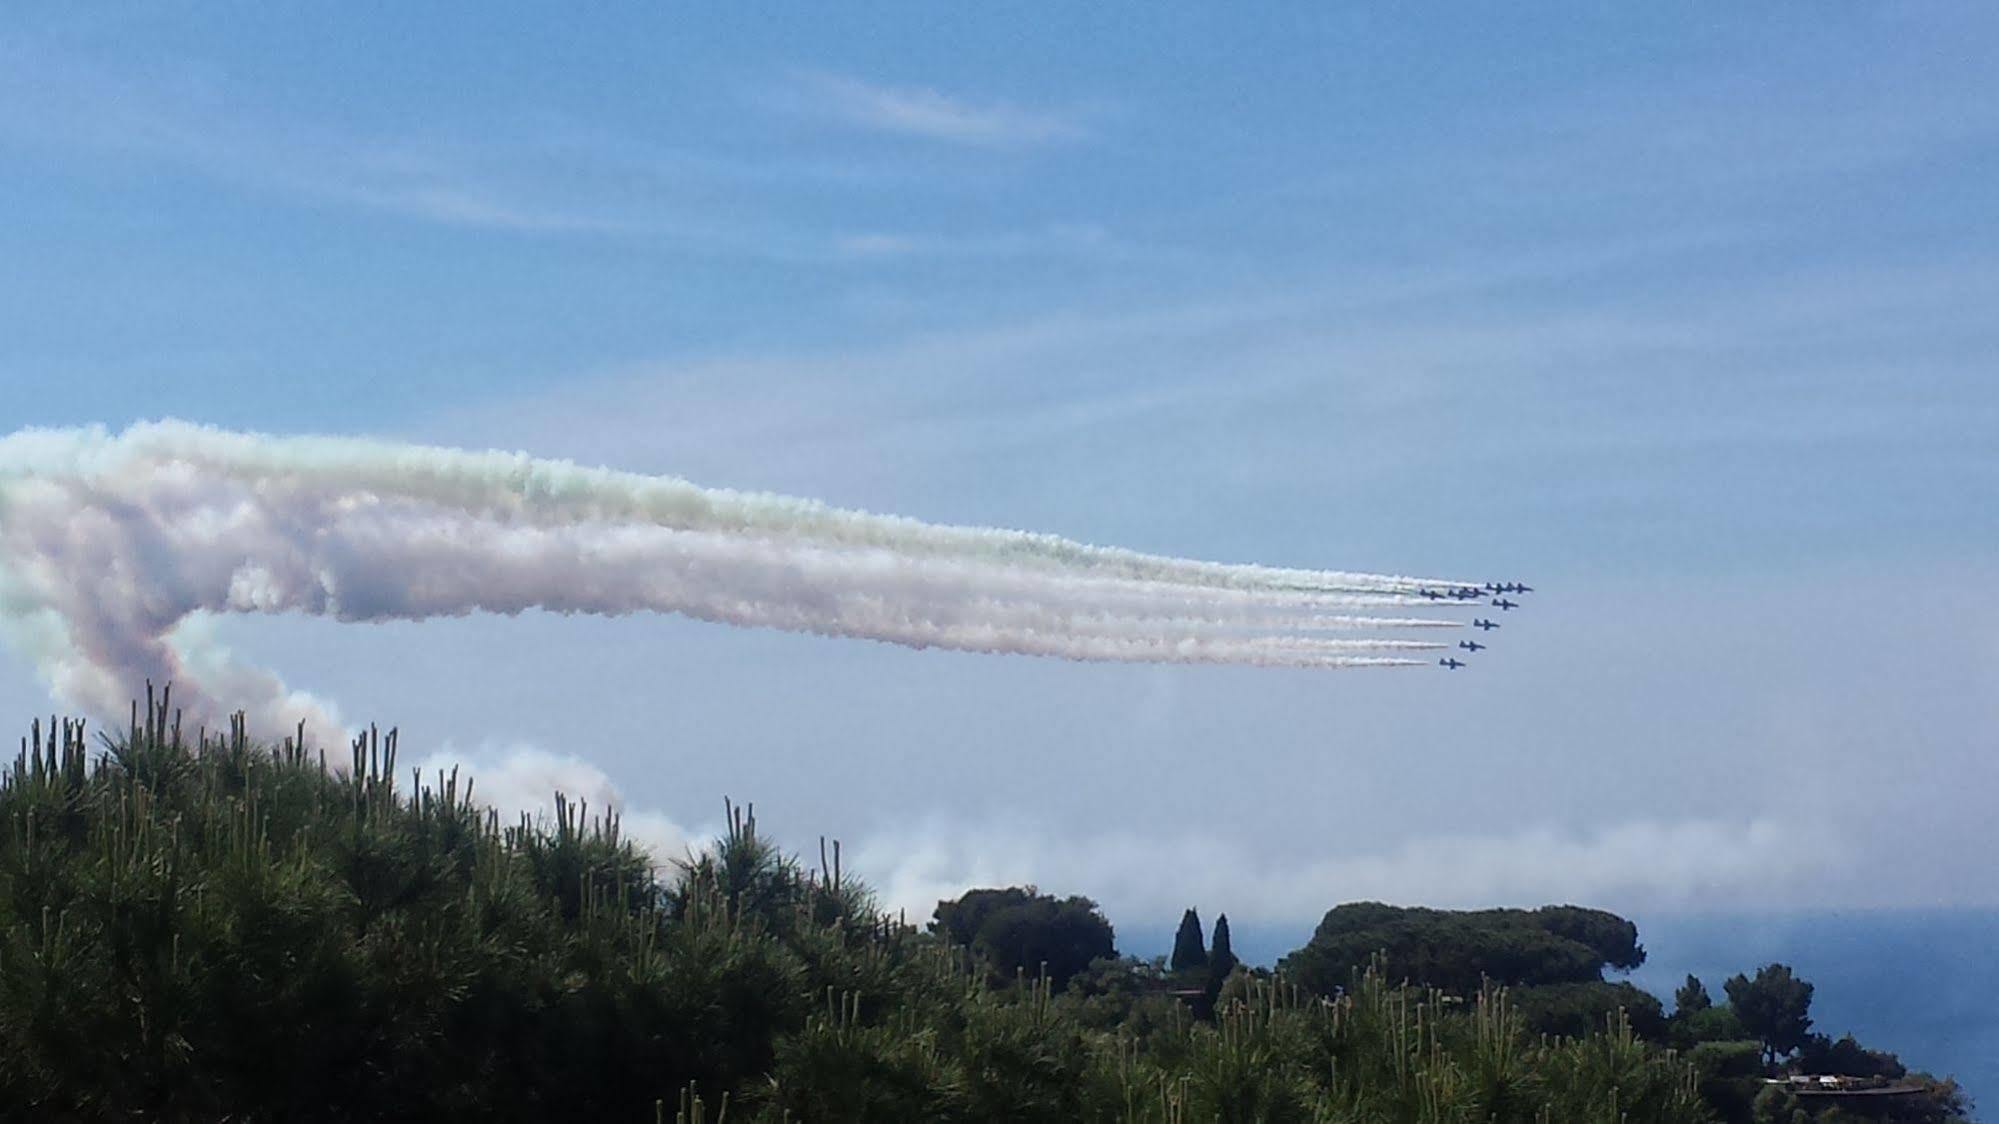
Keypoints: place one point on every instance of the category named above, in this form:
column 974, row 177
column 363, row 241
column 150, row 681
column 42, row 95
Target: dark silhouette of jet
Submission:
column 1449, row 664
column 1485, row 624
column 1433, row 595
column 1505, row 604
column 1471, row 645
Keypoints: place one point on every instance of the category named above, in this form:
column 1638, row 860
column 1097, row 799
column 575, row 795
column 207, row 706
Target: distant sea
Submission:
column 1922, row 984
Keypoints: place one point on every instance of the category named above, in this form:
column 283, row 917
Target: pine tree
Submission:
column 1691, row 997
column 1775, row 1006
column 1190, row 948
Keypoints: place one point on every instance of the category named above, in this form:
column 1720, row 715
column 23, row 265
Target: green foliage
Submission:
column 1847, row 1056
column 1127, row 997
column 959, row 921
column 1774, row 1006
column 1727, row 1059
column 1778, row 1105
column 1222, row 963
column 1190, row 947
column 1940, row 1102
column 199, row 929
column 1021, row 931
column 1691, row 998
column 1613, row 939
column 1576, row 1009
column 1458, row 951
column 842, row 1068
column 206, row 929
column 1730, row 1077
column 1715, row 1024
column 1221, row 958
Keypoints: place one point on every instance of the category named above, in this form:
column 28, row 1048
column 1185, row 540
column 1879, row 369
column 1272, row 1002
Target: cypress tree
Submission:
column 1221, row 958
column 1190, row 948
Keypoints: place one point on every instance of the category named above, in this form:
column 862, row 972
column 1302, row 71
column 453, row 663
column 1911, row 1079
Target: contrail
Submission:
column 115, row 549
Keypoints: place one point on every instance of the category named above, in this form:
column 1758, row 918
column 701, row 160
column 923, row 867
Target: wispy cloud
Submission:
column 543, row 175
column 193, row 122
column 1075, row 241
column 930, row 114
column 1444, row 331
column 547, row 174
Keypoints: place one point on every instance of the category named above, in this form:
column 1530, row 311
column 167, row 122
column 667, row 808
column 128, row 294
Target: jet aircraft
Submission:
column 1449, row 664
column 1485, row 624
column 1505, row 604
column 1471, row 645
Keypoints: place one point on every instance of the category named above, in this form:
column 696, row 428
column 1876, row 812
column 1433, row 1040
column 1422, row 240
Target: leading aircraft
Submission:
column 1449, row 664
column 1505, row 604
column 1471, row 645
column 1485, row 624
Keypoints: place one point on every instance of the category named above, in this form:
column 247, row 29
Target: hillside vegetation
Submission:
column 205, row 928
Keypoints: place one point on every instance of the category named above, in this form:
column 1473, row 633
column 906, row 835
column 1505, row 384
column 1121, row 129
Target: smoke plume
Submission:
column 116, row 548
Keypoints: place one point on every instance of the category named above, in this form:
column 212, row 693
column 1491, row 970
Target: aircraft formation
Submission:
column 1494, row 594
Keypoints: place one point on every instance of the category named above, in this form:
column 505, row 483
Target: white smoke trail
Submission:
column 516, row 486
column 113, row 547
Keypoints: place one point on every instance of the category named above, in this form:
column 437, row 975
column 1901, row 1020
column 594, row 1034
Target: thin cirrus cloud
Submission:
column 1084, row 242
column 514, row 177
column 929, row 114
column 213, row 130
column 534, row 177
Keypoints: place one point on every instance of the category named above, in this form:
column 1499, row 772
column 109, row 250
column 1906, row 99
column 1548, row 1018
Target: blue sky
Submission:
column 1683, row 316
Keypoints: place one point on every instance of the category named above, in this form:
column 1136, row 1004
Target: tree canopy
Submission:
column 1577, row 1010
column 1458, row 950
column 1691, row 998
column 1774, row 1005
column 1020, row 929
column 230, row 931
